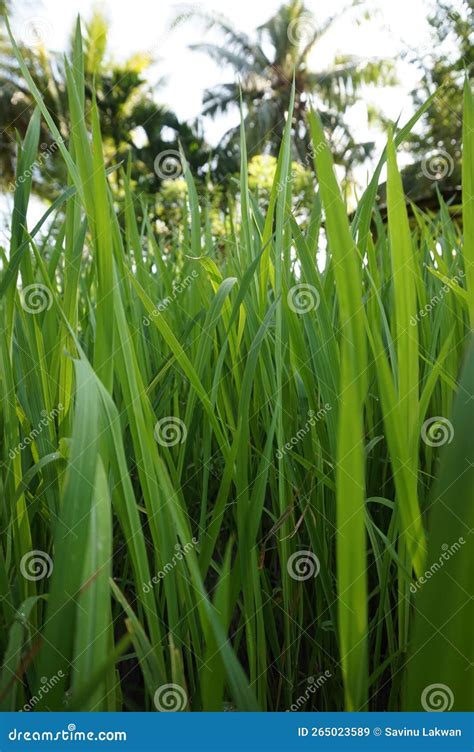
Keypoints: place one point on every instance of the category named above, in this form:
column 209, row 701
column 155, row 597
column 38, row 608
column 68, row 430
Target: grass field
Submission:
column 230, row 480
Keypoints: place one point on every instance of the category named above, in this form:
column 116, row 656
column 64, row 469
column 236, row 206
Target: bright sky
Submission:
column 138, row 25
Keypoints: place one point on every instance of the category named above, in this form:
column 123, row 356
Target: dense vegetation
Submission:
column 136, row 126
column 227, row 468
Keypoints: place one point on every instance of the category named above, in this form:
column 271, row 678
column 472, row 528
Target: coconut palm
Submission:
column 124, row 97
column 15, row 98
column 265, row 65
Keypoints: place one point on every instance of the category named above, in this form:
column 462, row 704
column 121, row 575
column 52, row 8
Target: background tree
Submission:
column 444, row 67
column 264, row 68
column 134, row 126
column 436, row 145
column 16, row 104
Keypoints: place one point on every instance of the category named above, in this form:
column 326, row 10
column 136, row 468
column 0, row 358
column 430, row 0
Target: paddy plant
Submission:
column 227, row 472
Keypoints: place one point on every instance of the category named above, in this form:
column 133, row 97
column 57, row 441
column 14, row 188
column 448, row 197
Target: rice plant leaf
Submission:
column 404, row 276
column 94, row 633
column 350, row 473
column 442, row 650
column 468, row 192
column 71, row 534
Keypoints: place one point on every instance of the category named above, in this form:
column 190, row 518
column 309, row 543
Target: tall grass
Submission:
column 222, row 469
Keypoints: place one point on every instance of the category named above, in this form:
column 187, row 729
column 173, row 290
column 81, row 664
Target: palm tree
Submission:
column 124, row 98
column 16, row 102
column 265, row 66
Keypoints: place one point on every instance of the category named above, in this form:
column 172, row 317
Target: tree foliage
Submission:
column 125, row 99
column 284, row 47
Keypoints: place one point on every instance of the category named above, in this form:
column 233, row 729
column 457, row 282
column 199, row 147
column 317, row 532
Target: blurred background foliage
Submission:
column 137, row 128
